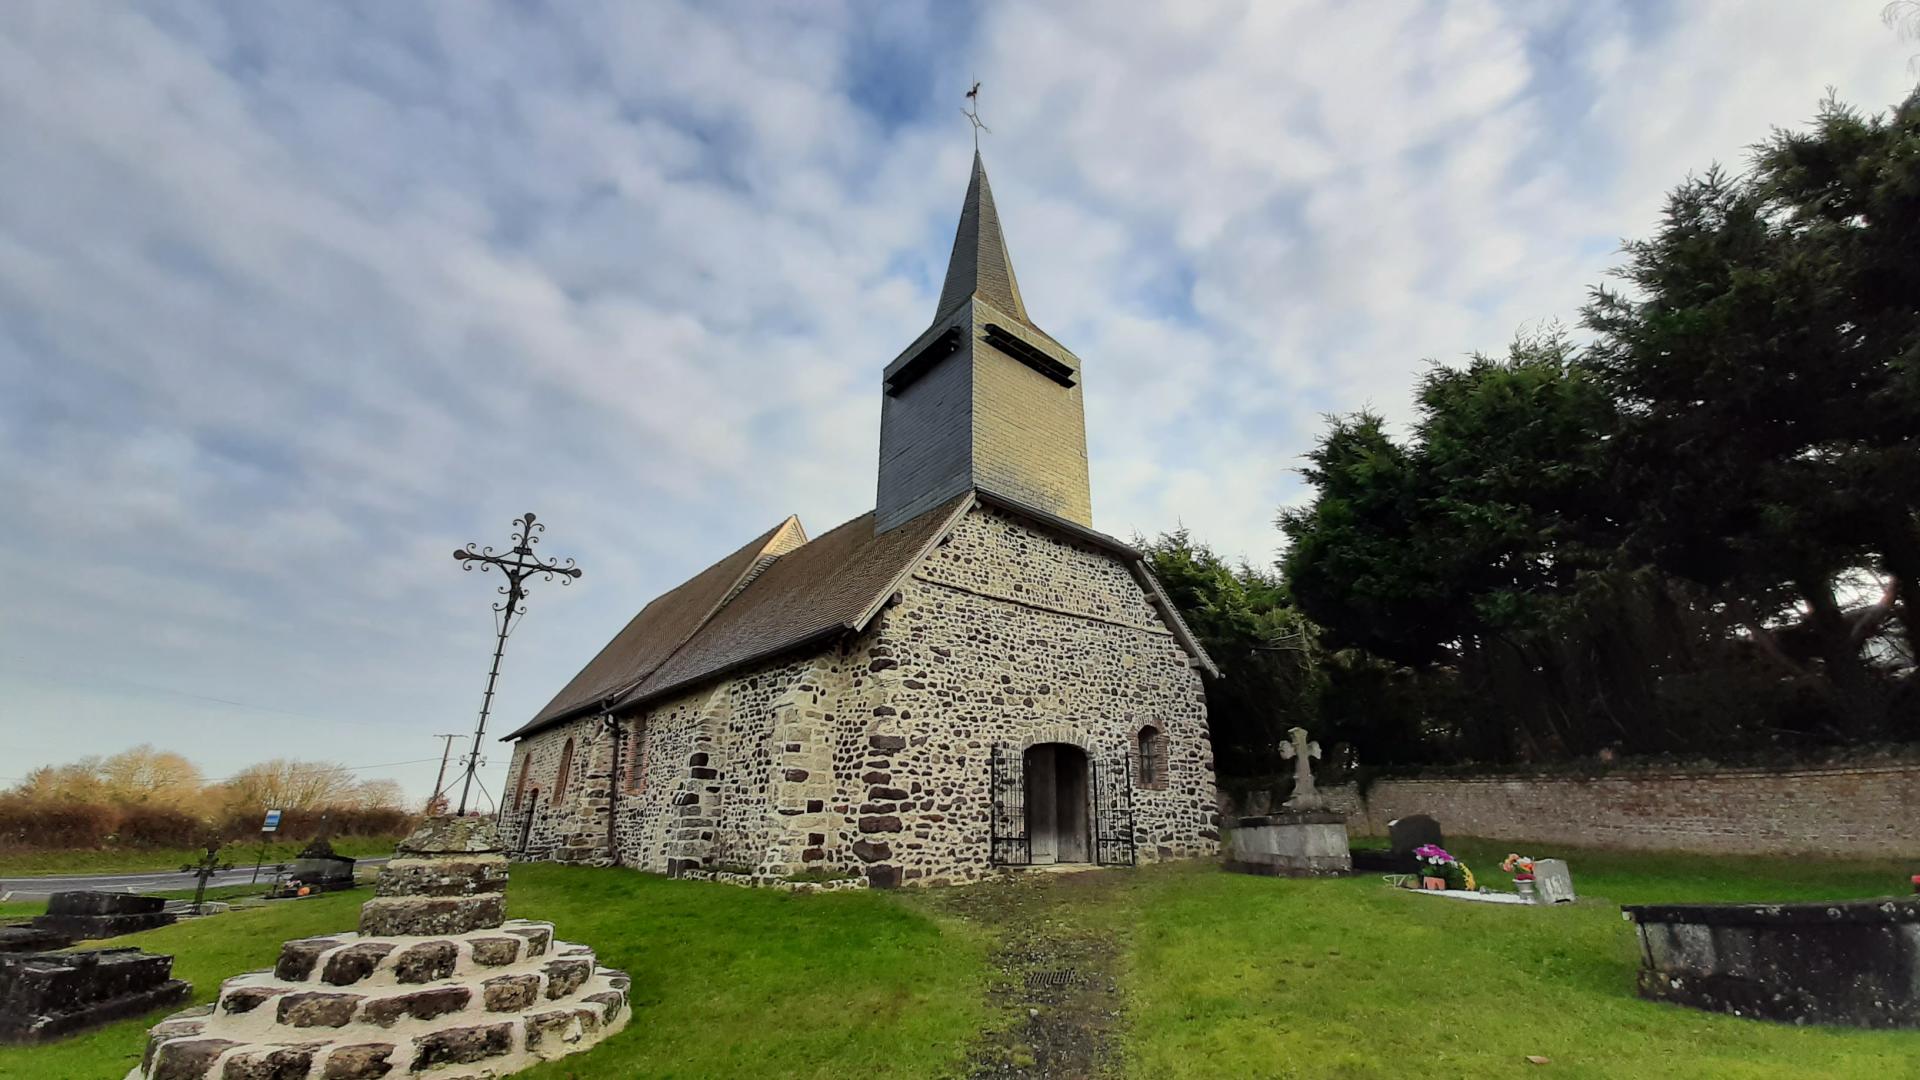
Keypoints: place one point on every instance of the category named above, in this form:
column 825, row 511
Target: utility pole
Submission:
column 517, row 565
column 439, row 780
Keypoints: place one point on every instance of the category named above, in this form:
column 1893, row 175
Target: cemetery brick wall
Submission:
column 872, row 758
column 1865, row 810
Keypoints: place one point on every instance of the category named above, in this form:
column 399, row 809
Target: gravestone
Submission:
column 84, row 915
column 1552, row 883
column 1414, row 830
column 44, row 996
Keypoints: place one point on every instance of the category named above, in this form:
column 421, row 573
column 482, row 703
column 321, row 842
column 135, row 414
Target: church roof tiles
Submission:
column 749, row 607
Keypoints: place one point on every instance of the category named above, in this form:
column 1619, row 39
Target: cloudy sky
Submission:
column 297, row 297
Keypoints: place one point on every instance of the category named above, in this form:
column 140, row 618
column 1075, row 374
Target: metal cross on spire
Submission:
column 518, row 565
column 972, row 112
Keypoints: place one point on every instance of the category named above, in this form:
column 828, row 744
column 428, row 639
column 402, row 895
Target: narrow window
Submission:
column 520, row 786
column 1153, row 757
column 566, row 766
column 636, row 756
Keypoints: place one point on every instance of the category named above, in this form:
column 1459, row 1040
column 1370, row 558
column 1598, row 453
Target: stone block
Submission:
column 450, row 835
column 510, row 993
column 271, row 1063
column 298, row 958
column 419, row 1005
column 561, row 1025
column 180, row 1025
column 400, row 916
column 610, row 1002
column 880, row 823
column 315, row 1009
column 361, row 1061
column 566, row 975
column 462, row 876
column 538, row 938
column 355, row 962
column 463, row 1045
column 245, row 999
column 495, row 951
column 187, row 1059
column 426, row 962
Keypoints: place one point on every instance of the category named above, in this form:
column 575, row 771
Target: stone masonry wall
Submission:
column 871, row 758
column 1850, row 811
column 1007, row 634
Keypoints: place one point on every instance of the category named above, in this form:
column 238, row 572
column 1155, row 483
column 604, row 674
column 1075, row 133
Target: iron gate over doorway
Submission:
column 1109, row 790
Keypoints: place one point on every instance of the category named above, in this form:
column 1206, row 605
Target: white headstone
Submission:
column 1552, row 883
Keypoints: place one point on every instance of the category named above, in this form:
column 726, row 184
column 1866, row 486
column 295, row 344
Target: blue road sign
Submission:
column 273, row 821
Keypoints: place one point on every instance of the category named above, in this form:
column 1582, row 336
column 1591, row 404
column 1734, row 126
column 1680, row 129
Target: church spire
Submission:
column 979, row 265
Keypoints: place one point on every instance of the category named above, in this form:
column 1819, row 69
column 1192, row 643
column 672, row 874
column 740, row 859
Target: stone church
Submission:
column 967, row 678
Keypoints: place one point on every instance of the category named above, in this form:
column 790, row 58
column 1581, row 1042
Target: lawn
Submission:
column 1218, row 975
column 134, row 861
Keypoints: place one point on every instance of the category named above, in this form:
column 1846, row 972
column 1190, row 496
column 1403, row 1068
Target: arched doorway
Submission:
column 1057, row 803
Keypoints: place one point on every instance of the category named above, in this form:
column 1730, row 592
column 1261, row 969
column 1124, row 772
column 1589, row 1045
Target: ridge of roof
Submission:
column 660, row 628
column 834, row 584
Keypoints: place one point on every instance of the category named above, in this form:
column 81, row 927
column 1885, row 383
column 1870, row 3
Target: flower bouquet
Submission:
column 1521, row 867
column 1439, row 870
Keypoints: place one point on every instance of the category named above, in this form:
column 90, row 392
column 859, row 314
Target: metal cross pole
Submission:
column 517, row 565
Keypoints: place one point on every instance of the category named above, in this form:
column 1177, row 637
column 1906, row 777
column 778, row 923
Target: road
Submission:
column 39, row 888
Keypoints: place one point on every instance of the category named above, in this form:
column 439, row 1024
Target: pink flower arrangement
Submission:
column 1520, row 866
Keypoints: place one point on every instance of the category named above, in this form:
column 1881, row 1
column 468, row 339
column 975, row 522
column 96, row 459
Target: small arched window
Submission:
column 1152, row 752
column 520, row 786
column 566, row 767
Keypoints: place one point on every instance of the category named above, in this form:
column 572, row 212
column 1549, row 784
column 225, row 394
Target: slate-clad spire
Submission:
column 983, row 399
column 979, row 265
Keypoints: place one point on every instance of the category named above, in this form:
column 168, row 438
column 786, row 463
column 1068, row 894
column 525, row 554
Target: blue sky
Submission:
column 295, row 298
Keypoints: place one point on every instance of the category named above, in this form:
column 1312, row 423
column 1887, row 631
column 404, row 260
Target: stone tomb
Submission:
column 1853, row 962
column 85, row 915
column 1306, row 843
column 437, row 981
column 44, row 996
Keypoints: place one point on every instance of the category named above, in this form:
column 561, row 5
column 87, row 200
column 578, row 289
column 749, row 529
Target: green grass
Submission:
column 1223, row 975
column 727, row 981
column 1244, row 976
column 21, row 864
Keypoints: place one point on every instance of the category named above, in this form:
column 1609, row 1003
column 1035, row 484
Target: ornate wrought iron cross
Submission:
column 518, row 565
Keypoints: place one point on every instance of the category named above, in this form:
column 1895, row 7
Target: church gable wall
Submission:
column 1010, row 635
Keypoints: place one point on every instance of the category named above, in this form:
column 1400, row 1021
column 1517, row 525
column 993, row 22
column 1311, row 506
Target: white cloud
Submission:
column 294, row 299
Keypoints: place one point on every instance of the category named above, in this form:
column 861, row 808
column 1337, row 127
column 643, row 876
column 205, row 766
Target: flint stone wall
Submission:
column 871, row 758
column 1858, row 810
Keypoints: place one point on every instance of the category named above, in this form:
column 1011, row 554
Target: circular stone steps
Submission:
column 487, row 1001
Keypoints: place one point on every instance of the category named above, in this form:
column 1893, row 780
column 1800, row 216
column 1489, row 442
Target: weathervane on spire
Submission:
column 972, row 112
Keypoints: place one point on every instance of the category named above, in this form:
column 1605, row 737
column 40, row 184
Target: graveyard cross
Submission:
column 1298, row 751
column 518, row 565
column 208, row 866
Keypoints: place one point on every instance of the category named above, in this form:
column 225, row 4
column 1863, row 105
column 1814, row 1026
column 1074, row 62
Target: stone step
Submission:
column 422, row 1035
column 505, row 989
column 345, row 959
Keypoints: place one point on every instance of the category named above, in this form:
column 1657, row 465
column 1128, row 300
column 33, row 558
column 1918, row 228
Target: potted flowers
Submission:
column 1439, row 870
column 1521, row 867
